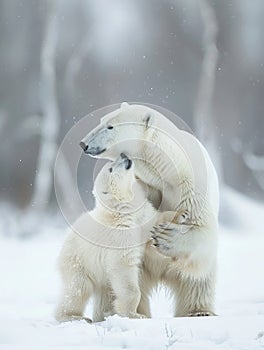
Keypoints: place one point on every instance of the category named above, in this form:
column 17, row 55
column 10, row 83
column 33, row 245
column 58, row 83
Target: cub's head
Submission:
column 121, row 131
column 114, row 183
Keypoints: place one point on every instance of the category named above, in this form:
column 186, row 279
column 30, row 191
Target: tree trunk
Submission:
column 51, row 119
column 203, row 119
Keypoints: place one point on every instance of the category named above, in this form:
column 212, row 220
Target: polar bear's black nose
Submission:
column 84, row 146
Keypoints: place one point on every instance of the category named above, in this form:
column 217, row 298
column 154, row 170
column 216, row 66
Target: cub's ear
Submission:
column 148, row 119
column 124, row 105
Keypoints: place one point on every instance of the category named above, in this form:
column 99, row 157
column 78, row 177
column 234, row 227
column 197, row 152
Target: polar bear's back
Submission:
column 181, row 159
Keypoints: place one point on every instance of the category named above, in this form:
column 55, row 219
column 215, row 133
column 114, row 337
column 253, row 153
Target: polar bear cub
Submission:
column 104, row 249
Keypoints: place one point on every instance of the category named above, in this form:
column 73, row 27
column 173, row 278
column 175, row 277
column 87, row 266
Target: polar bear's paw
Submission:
column 136, row 315
column 165, row 236
column 200, row 313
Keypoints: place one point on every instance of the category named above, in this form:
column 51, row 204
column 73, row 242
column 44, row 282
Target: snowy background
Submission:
column 63, row 59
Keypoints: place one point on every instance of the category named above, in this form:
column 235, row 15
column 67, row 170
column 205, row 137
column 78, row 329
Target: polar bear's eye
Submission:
column 110, row 170
column 105, row 192
column 110, row 127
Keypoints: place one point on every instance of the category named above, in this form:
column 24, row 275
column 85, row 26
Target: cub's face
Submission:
column 114, row 183
column 121, row 131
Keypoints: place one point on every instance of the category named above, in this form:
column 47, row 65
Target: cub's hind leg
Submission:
column 77, row 290
column 103, row 305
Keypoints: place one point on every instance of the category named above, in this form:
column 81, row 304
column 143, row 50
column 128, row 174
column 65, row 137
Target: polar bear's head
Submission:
column 114, row 183
column 121, row 131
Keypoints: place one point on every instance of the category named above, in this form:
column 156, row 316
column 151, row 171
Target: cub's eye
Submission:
column 110, row 170
column 110, row 127
column 105, row 192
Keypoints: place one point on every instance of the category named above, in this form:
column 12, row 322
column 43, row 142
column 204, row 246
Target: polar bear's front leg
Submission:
column 193, row 250
column 195, row 297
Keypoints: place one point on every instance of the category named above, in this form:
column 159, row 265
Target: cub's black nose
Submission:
column 128, row 163
column 84, row 146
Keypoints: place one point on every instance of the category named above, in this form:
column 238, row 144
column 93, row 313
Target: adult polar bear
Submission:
column 181, row 178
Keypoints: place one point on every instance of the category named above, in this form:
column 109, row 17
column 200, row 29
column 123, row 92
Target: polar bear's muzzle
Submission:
column 92, row 151
column 95, row 142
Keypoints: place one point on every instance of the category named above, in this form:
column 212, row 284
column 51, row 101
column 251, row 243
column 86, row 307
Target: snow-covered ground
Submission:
column 30, row 286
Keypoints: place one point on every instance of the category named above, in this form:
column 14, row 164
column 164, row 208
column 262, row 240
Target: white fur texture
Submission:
column 178, row 168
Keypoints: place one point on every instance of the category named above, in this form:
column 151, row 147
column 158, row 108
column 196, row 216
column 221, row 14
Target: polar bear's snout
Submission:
column 94, row 143
column 91, row 150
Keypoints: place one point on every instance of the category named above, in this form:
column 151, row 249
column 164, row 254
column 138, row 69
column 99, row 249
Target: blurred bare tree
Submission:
column 51, row 119
column 204, row 119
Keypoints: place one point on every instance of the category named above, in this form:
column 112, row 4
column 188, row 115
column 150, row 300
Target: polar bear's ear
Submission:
column 148, row 119
column 124, row 105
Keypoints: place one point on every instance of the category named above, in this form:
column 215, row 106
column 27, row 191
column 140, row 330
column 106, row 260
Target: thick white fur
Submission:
column 177, row 167
column 104, row 250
